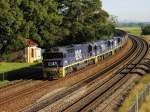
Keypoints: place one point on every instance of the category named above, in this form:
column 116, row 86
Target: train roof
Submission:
column 64, row 49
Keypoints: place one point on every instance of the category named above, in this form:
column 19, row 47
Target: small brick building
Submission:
column 32, row 52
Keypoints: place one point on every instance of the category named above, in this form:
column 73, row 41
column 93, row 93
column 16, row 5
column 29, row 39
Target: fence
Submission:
column 3, row 76
column 140, row 99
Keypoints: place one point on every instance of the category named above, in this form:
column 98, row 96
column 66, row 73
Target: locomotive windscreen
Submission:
column 52, row 55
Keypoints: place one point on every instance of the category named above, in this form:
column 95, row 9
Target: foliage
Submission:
column 146, row 30
column 21, row 19
column 42, row 21
column 11, row 19
column 51, row 22
column 13, row 57
column 84, row 20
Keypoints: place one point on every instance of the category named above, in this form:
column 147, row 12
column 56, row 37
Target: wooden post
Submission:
column 137, row 103
column 3, row 76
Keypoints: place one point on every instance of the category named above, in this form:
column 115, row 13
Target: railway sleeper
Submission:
column 130, row 66
column 140, row 72
column 142, row 67
column 145, row 65
column 125, row 71
column 148, row 64
column 146, row 59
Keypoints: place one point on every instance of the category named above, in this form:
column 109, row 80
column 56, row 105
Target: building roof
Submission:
column 30, row 42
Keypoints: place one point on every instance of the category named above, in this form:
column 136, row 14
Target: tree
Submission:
column 51, row 22
column 42, row 21
column 38, row 20
column 146, row 30
column 11, row 20
column 85, row 20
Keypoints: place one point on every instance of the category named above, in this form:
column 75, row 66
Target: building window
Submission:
column 32, row 53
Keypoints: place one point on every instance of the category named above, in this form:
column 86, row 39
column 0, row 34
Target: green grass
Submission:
column 134, row 92
column 145, row 106
column 6, row 67
column 3, row 82
column 132, row 30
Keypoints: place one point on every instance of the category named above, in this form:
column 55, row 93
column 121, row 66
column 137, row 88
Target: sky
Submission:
column 128, row 10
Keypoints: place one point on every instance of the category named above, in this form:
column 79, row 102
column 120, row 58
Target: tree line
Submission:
column 145, row 30
column 52, row 23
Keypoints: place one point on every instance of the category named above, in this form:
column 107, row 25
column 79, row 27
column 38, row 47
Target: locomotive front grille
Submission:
column 51, row 73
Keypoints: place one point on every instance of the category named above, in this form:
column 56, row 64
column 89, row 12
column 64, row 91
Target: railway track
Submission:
column 105, row 107
column 25, row 89
column 84, row 91
column 114, row 101
column 12, row 84
column 90, row 102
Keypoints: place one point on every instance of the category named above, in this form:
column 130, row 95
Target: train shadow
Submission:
column 33, row 72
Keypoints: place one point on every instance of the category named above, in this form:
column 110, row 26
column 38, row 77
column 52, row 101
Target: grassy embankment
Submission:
column 145, row 106
column 7, row 67
column 134, row 92
column 3, row 82
column 132, row 30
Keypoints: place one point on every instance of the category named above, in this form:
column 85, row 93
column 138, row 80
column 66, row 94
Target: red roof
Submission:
column 30, row 42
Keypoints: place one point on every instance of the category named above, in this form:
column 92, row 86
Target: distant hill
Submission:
column 132, row 24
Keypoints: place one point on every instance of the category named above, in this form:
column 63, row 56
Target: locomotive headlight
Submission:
column 53, row 63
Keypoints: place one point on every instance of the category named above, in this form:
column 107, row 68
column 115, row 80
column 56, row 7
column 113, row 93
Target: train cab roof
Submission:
column 116, row 37
column 100, row 42
column 61, row 49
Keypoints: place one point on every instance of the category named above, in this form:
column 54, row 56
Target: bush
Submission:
column 146, row 30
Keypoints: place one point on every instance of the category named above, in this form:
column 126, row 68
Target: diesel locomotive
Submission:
column 60, row 61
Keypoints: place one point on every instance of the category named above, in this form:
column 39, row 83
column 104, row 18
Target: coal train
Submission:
column 60, row 61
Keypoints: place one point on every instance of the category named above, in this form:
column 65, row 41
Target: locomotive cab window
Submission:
column 52, row 55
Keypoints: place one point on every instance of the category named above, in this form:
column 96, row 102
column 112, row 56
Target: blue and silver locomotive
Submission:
column 60, row 61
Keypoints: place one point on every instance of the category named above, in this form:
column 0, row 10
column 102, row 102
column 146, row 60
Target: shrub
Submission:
column 146, row 30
